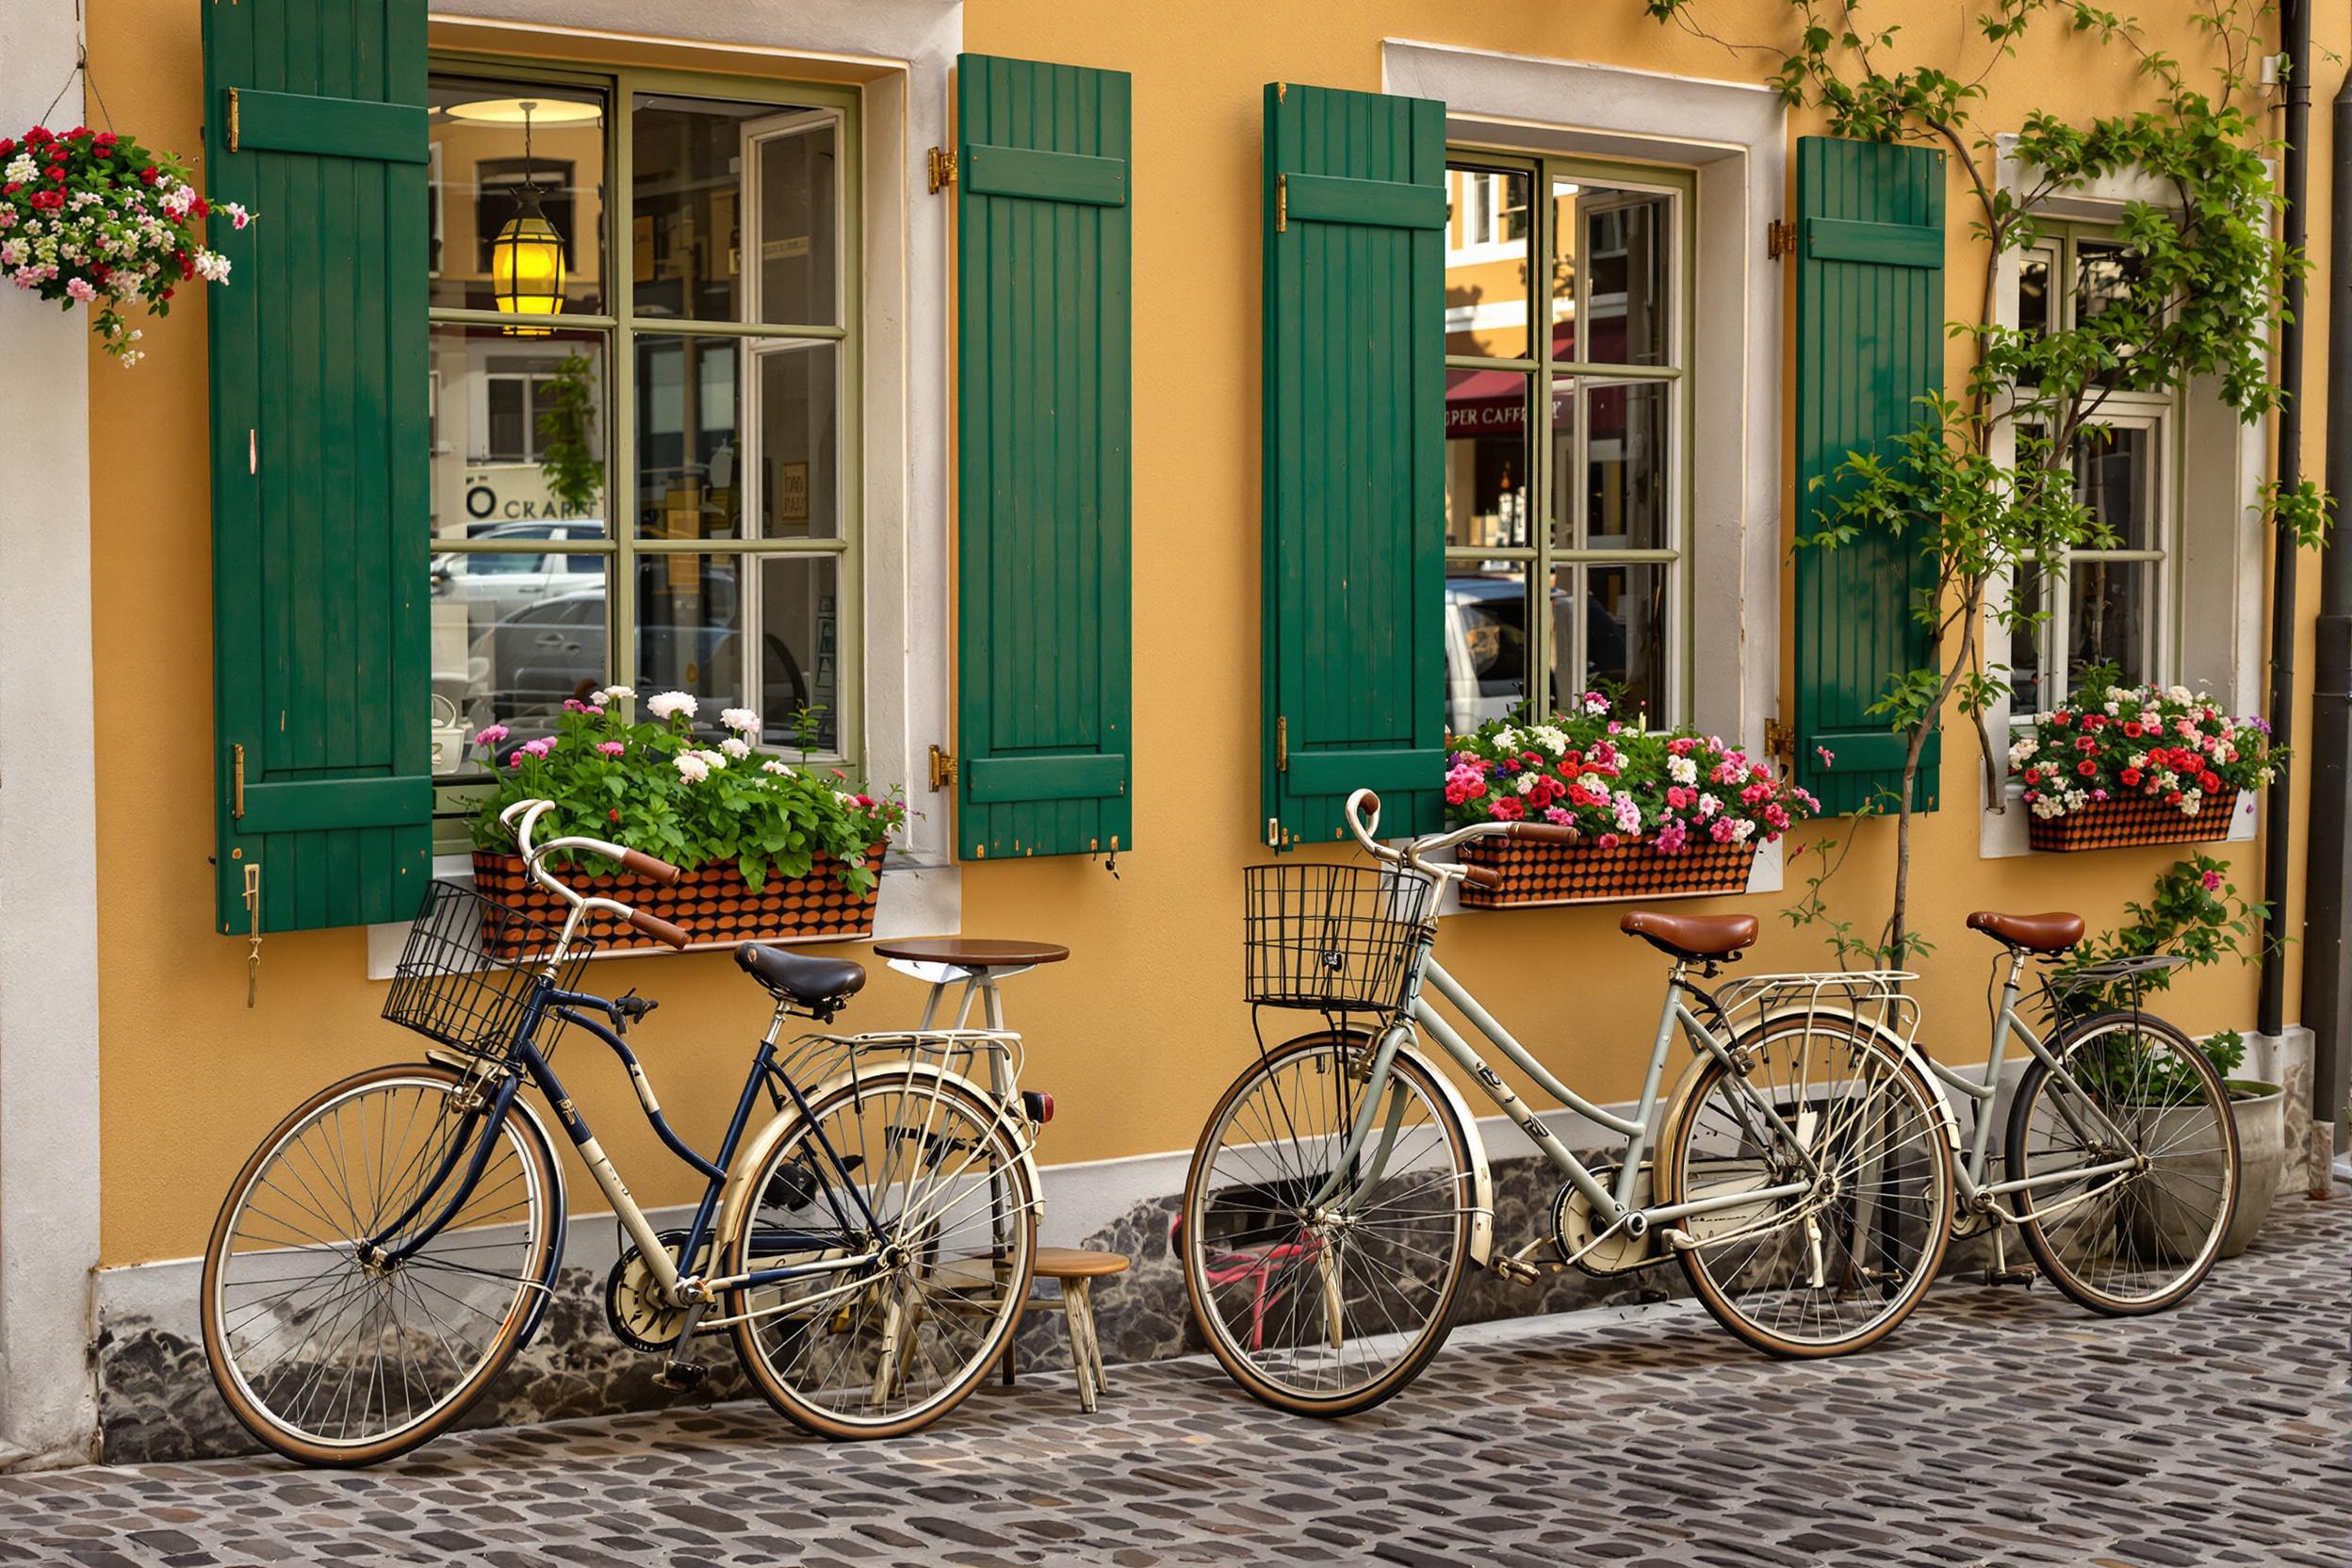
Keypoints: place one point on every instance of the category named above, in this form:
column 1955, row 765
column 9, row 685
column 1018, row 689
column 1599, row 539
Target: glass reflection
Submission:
column 480, row 179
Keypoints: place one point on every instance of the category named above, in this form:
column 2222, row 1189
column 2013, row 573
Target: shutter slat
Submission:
column 320, row 640
column 1870, row 342
column 1354, row 454
column 1043, row 394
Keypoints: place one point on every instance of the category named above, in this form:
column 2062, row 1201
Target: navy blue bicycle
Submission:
column 395, row 1240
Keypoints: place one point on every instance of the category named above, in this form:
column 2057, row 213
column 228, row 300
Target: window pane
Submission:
column 800, row 641
column 1611, row 272
column 2110, row 618
column 1625, row 471
column 1486, row 459
column 2116, row 476
column 799, row 458
column 514, row 635
column 689, row 469
column 688, row 179
column 2035, row 269
column 519, row 435
column 1486, row 262
column 690, row 627
column 2027, row 694
column 1620, row 619
column 799, row 267
column 482, row 177
column 1486, row 646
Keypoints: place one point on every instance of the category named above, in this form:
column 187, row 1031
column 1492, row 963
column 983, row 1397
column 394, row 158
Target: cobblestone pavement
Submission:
column 2221, row 1433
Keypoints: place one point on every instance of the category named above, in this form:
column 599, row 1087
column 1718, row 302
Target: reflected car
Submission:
column 494, row 587
column 1486, row 646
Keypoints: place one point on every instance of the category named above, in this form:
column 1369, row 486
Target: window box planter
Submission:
column 712, row 904
column 1587, row 871
column 2125, row 821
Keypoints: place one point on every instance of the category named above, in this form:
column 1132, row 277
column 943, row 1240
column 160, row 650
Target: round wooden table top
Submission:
column 1077, row 1263
column 971, row 952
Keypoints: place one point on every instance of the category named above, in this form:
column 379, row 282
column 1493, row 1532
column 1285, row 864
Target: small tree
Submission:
column 1982, row 482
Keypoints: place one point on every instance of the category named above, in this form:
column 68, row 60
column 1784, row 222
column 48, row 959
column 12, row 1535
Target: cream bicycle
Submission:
column 1801, row 1175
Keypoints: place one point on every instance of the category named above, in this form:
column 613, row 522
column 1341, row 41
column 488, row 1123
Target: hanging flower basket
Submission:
column 90, row 218
column 2120, row 821
column 712, row 904
column 1589, row 870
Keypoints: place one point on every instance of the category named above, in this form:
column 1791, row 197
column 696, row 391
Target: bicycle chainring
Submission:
column 641, row 1317
column 1574, row 1229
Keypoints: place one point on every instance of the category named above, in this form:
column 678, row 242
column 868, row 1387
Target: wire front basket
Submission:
column 468, row 966
column 1338, row 939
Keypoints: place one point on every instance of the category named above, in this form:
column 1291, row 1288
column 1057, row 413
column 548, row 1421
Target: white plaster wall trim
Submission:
column 49, row 1213
column 1735, row 135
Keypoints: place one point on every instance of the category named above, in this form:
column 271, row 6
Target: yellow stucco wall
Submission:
column 1137, row 1032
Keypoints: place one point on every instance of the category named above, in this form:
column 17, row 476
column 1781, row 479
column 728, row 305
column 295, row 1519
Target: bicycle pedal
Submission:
column 1517, row 1270
column 682, row 1377
column 2011, row 1277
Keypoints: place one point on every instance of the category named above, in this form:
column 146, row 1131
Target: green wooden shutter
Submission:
column 315, row 118
column 1354, row 483
column 1870, row 341
column 1041, row 213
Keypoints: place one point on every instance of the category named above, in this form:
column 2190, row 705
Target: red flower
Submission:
column 200, row 209
column 2033, row 775
column 57, row 173
column 8, row 145
column 1507, row 808
column 2062, row 718
column 614, row 813
column 2134, row 728
column 166, row 294
column 2208, row 782
column 38, row 137
column 2172, row 797
column 2131, row 775
column 149, row 175
column 2087, row 768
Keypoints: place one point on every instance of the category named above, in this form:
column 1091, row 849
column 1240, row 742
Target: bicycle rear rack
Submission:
column 1874, row 999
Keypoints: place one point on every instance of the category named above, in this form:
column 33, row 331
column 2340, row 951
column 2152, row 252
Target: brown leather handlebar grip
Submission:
column 1485, row 876
column 643, row 864
column 655, row 926
column 1371, row 803
column 1544, row 832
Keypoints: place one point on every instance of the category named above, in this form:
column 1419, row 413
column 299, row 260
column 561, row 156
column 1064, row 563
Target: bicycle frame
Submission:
column 1975, row 1193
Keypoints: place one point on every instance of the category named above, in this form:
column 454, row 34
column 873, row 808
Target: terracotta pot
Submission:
column 712, row 904
column 2131, row 820
column 1584, row 872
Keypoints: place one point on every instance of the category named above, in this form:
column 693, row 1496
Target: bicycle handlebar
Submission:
column 523, row 816
column 1364, row 820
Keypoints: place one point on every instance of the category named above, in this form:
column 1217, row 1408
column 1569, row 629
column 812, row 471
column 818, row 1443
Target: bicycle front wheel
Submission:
column 329, row 1345
column 1834, row 1267
column 906, row 1208
column 1325, row 1289
column 2139, row 1095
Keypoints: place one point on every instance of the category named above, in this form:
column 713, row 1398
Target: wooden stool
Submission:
column 1077, row 1269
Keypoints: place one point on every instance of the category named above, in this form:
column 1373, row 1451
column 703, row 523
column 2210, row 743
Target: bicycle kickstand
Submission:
column 1998, row 1272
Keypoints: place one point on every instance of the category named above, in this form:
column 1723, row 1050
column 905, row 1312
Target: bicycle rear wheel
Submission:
column 1833, row 1268
column 926, row 1179
column 324, row 1350
column 1329, row 1308
column 2138, row 1240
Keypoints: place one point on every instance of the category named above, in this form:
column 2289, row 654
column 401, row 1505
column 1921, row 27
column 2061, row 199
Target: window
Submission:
column 1585, row 521
column 2111, row 605
column 652, row 485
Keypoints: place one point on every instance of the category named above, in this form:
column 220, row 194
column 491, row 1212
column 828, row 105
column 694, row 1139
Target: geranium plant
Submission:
column 654, row 785
column 1614, row 781
column 2115, row 743
column 90, row 218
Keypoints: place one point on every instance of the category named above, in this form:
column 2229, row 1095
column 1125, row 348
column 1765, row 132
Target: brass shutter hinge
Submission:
column 231, row 119
column 237, row 783
column 942, row 769
column 1282, row 745
column 1779, row 739
column 1281, row 204
column 942, row 164
column 1780, row 239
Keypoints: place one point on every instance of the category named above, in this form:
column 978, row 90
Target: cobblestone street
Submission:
column 2221, row 1433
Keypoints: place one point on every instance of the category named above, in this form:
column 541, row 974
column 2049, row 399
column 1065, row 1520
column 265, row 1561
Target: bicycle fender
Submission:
column 762, row 1144
column 1481, row 1174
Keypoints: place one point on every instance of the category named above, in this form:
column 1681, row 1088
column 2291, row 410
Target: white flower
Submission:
column 846, row 797
column 740, row 719
column 2049, row 806
column 609, row 694
column 710, row 759
column 735, row 748
column 1507, row 740
column 1525, row 783
column 1683, row 770
column 212, row 265
column 771, row 765
column 22, row 168
column 1708, row 806
column 1594, row 703
column 670, row 703
column 2178, row 694
column 690, row 768
column 1550, row 737
column 2022, row 752
column 1741, row 831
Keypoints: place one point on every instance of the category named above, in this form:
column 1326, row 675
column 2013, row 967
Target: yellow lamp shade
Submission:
column 526, row 270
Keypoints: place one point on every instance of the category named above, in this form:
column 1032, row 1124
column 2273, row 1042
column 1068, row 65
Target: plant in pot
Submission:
column 772, row 851
column 1655, row 814
column 2196, row 917
column 2137, row 765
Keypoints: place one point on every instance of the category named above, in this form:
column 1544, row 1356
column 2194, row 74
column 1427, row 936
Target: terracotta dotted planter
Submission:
column 1586, row 872
column 711, row 904
column 2132, row 819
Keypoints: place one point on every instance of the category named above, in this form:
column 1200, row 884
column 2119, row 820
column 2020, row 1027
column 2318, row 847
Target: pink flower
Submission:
column 1721, row 830
column 1558, row 814
column 2212, row 881
column 491, row 736
column 81, row 289
column 1680, row 798
column 612, row 748
column 1673, row 836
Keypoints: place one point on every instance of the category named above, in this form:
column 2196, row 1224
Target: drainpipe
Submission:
column 2295, row 21
column 2327, row 956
